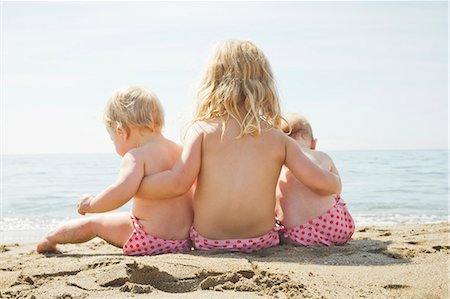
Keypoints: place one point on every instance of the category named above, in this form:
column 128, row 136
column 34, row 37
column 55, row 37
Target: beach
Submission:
column 403, row 261
column 359, row 71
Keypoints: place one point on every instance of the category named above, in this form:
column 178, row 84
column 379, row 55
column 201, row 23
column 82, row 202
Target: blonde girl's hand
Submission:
column 84, row 203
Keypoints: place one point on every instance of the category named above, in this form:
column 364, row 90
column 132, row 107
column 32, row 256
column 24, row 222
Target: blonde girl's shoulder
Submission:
column 278, row 134
column 206, row 126
column 194, row 130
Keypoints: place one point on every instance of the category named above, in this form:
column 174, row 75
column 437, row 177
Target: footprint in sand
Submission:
column 138, row 278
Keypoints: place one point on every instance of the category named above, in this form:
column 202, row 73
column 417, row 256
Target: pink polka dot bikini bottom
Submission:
column 335, row 227
column 141, row 243
column 244, row 245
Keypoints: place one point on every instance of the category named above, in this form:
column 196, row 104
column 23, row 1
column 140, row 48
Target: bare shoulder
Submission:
column 277, row 142
column 277, row 135
column 321, row 158
column 133, row 157
column 170, row 147
column 205, row 127
column 155, row 149
column 137, row 154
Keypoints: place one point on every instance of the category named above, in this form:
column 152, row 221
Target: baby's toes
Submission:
column 46, row 246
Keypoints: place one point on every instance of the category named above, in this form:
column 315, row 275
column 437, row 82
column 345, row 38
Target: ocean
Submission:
column 38, row 192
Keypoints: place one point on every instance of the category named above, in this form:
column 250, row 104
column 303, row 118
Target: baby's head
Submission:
column 238, row 82
column 130, row 110
column 300, row 130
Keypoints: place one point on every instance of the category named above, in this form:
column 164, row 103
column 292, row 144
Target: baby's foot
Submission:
column 46, row 246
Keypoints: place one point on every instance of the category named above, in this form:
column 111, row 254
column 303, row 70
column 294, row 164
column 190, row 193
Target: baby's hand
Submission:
column 84, row 203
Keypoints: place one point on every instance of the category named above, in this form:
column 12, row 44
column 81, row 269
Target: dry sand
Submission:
column 391, row 262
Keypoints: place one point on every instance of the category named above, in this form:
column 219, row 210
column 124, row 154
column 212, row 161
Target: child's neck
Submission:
column 140, row 138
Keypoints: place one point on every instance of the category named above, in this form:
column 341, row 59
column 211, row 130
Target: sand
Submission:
column 379, row 262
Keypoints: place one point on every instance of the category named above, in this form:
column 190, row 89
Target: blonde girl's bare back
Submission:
column 237, row 180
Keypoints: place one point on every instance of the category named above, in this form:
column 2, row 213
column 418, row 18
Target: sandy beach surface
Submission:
column 379, row 262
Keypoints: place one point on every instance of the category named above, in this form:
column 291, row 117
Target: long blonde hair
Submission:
column 238, row 81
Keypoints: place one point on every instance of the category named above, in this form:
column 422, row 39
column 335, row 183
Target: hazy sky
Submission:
column 368, row 75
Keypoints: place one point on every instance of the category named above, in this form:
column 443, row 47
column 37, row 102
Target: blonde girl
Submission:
column 235, row 150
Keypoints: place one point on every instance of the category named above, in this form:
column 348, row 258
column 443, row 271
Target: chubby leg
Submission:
column 114, row 228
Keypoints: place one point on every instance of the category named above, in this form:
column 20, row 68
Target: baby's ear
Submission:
column 123, row 133
column 313, row 144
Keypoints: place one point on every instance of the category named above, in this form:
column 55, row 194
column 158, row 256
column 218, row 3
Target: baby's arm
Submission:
column 312, row 176
column 116, row 195
column 179, row 179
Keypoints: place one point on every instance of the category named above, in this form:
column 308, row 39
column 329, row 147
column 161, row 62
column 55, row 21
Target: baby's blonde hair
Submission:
column 238, row 79
column 296, row 126
column 134, row 106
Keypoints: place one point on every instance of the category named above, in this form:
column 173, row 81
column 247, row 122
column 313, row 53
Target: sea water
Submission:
column 39, row 192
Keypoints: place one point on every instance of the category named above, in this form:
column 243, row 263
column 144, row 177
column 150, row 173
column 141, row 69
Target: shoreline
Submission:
column 404, row 261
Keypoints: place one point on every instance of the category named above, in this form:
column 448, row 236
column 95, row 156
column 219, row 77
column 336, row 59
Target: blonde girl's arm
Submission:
column 334, row 170
column 116, row 195
column 181, row 177
column 312, row 176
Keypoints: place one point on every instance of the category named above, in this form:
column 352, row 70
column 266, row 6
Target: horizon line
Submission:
column 325, row 150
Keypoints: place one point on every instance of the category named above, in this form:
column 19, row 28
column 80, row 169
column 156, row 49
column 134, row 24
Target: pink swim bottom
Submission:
column 244, row 245
column 335, row 227
column 141, row 243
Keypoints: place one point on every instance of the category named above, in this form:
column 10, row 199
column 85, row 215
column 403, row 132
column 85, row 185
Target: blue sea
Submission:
column 39, row 192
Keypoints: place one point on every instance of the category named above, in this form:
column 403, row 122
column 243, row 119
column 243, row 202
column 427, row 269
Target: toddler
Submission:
column 134, row 119
column 235, row 149
column 310, row 219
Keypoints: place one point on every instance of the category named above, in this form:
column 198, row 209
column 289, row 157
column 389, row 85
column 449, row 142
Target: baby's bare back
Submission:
column 298, row 203
column 235, row 196
column 169, row 218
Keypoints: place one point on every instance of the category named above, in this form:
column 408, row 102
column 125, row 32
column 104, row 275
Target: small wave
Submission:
column 30, row 224
column 397, row 219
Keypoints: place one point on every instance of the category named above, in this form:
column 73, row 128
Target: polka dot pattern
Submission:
column 335, row 227
column 141, row 243
column 243, row 245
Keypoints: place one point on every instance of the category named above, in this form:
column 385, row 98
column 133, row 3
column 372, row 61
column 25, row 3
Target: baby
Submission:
column 310, row 219
column 134, row 119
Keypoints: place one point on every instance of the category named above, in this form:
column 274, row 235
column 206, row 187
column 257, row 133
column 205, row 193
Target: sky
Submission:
column 368, row 75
